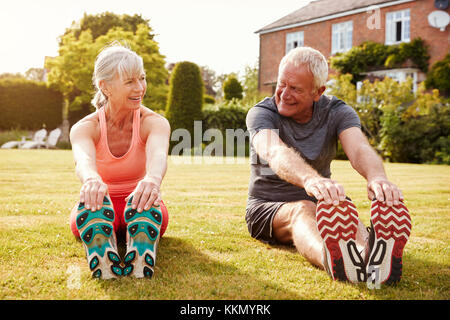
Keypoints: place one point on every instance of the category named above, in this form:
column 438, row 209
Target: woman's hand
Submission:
column 146, row 194
column 92, row 193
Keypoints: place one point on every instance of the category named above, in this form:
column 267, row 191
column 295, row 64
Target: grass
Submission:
column 206, row 252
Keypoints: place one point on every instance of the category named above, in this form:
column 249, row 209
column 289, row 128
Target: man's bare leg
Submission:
column 295, row 222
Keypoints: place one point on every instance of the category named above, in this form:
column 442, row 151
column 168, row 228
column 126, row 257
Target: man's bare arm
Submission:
column 291, row 167
column 366, row 161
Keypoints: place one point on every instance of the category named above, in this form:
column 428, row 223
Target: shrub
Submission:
column 402, row 126
column 439, row 76
column 228, row 115
column 371, row 56
column 14, row 135
column 185, row 100
column 208, row 99
column 232, row 88
column 26, row 104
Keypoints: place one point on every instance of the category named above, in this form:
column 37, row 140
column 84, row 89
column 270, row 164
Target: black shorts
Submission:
column 259, row 216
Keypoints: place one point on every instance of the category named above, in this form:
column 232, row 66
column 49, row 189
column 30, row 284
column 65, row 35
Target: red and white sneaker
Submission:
column 392, row 227
column 337, row 227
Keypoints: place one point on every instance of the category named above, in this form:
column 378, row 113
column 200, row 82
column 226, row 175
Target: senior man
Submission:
column 292, row 198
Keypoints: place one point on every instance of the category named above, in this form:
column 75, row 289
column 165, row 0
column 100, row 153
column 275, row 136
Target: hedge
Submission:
column 29, row 105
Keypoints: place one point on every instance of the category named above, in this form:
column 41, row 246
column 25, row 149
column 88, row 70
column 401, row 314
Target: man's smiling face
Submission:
column 295, row 92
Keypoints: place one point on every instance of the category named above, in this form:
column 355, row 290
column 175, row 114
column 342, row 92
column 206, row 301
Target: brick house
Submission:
column 332, row 26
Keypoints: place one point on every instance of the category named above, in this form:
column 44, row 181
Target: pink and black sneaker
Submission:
column 391, row 227
column 337, row 227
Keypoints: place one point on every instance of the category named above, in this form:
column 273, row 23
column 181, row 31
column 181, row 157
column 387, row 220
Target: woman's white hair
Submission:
column 114, row 59
column 312, row 58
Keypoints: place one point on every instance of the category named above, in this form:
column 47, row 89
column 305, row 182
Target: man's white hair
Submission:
column 313, row 59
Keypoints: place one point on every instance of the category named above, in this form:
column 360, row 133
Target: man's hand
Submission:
column 325, row 189
column 384, row 190
column 146, row 194
column 92, row 193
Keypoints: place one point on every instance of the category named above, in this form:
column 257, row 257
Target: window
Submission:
column 397, row 27
column 342, row 34
column 294, row 40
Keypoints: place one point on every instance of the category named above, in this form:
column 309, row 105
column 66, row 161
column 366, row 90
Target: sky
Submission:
column 219, row 34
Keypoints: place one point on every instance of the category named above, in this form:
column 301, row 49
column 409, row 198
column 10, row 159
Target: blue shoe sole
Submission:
column 97, row 235
column 143, row 233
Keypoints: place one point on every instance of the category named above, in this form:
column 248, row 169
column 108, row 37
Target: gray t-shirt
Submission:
column 315, row 140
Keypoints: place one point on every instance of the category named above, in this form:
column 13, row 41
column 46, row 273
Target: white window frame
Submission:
column 341, row 37
column 397, row 19
column 294, row 40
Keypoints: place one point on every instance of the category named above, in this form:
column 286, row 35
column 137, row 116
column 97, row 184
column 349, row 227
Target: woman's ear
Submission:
column 104, row 88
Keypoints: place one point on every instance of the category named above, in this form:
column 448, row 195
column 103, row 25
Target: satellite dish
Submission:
column 439, row 19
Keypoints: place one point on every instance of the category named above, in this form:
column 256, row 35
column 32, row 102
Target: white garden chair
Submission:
column 51, row 142
column 39, row 136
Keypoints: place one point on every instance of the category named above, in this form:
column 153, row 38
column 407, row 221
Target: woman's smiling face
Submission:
column 128, row 91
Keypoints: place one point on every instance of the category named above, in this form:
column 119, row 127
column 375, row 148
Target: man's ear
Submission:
column 319, row 93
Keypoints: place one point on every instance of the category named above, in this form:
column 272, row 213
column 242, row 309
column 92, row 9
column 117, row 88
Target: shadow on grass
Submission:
column 421, row 280
column 184, row 272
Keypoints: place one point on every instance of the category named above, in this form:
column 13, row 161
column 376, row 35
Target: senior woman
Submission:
column 120, row 154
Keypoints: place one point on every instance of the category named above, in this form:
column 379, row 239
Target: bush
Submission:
column 14, row 135
column 371, row 56
column 228, row 115
column 207, row 99
column 401, row 125
column 439, row 76
column 185, row 100
column 232, row 88
column 29, row 105
column 419, row 133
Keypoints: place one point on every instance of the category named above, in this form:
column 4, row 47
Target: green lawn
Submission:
column 206, row 252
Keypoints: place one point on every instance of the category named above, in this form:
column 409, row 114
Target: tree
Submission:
column 11, row 76
column 185, row 100
column 101, row 23
column 209, row 80
column 250, row 83
column 71, row 71
column 36, row 74
column 232, row 88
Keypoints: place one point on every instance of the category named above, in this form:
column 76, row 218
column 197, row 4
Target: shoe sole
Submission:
column 143, row 231
column 97, row 235
column 392, row 226
column 337, row 227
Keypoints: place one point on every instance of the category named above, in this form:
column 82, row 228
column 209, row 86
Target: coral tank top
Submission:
column 121, row 174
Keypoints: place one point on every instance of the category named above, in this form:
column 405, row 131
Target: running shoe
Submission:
column 392, row 227
column 337, row 226
column 99, row 240
column 143, row 233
